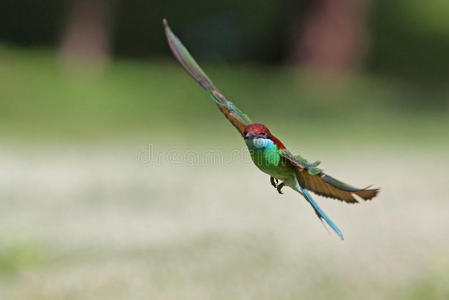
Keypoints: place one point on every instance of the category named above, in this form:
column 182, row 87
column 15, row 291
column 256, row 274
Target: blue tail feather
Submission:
column 319, row 211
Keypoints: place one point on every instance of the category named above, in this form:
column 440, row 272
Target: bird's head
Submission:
column 257, row 136
column 256, row 130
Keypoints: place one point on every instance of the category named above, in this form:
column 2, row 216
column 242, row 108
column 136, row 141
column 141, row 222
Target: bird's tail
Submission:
column 318, row 211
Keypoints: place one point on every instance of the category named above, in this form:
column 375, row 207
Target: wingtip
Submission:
column 370, row 187
column 367, row 193
column 375, row 192
column 166, row 27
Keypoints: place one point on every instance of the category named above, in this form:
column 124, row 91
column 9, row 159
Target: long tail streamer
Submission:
column 319, row 212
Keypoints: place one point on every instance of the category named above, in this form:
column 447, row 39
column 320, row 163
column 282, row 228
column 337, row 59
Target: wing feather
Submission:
column 325, row 185
column 237, row 118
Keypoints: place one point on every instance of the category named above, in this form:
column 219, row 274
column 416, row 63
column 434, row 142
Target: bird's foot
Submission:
column 279, row 187
column 274, row 181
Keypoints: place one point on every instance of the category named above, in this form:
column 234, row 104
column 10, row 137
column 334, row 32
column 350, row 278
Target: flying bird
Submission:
column 267, row 152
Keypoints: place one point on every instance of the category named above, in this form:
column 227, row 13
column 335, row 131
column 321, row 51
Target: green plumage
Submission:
column 269, row 160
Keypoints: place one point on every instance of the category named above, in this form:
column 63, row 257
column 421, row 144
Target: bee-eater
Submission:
column 267, row 152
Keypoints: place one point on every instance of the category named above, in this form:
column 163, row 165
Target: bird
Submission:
column 267, row 152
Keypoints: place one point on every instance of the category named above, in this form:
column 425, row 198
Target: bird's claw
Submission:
column 278, row 186
column 274, row 181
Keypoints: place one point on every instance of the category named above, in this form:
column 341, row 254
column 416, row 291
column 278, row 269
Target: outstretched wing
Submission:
column 320, row 183
column 231, row 112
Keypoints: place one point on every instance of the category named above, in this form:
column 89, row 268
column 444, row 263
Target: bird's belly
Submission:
column 282, row 173
column 272, row 165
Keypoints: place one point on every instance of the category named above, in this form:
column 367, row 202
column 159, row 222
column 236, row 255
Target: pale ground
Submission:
column 102, row 223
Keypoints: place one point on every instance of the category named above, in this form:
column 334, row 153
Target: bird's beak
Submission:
column 250, row 135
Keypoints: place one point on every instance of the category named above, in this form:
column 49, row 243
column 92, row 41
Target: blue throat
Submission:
column 260, row 144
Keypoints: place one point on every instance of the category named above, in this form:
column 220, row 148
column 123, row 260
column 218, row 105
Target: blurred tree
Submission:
column 31, row 22
column 86, row 35
column 408, row 40
column 331, row 35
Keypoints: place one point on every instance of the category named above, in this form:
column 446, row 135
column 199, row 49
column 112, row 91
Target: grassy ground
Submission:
column 98, row 223
column 127, row 184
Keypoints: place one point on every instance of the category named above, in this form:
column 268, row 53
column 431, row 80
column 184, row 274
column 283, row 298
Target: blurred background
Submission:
column 119, row 178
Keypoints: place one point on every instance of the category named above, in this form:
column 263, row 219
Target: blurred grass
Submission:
column 111, row 227
column 19, row 256
column 41, row 98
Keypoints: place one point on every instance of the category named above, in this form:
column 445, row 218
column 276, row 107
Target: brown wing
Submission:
column 232, row 113
column 239, row 119
column 327, row 186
